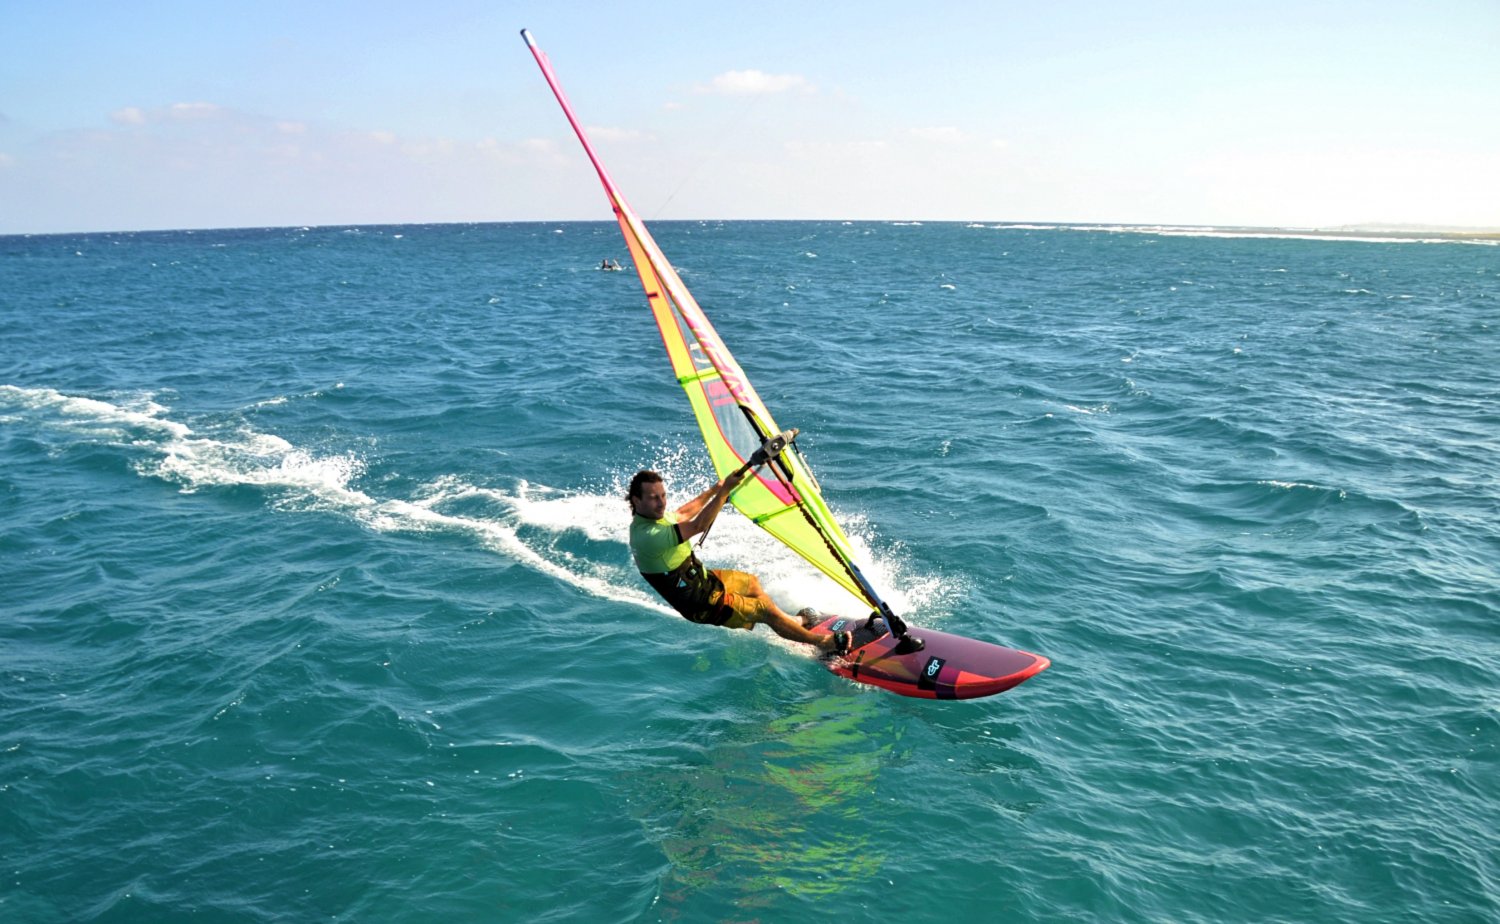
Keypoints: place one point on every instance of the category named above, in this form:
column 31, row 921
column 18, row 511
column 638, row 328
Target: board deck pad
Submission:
column 947, row 667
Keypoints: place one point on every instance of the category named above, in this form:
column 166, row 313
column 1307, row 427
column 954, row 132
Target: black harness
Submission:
column 693, row 591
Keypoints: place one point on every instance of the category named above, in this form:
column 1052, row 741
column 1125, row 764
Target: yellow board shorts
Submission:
column 744, row 609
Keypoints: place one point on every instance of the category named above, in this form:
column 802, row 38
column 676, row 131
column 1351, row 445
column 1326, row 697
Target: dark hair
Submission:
column 642, row 478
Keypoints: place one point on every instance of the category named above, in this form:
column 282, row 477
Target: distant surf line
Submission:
column 1355, row 235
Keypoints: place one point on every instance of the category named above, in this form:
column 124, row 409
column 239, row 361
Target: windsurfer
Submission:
column 732, row 599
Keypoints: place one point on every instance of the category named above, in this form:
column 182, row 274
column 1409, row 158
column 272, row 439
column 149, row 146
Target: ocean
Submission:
column 317, row 603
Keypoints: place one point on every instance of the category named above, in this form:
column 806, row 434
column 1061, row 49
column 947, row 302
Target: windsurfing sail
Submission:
column 782, row 498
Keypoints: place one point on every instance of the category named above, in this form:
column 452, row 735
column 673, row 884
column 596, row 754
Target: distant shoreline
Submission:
column 1401, row 234
column 1372, row 233
column 1376, row 234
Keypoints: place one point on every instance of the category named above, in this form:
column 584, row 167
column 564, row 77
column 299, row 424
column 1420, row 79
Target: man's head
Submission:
column 648, row 495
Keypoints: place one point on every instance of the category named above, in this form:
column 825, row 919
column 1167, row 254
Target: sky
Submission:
column 158, row 115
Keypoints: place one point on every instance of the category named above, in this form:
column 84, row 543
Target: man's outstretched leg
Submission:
column 759, row 607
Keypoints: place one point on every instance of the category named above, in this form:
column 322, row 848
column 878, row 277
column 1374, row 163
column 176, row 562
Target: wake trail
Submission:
column 295, row 479
column 580, row 538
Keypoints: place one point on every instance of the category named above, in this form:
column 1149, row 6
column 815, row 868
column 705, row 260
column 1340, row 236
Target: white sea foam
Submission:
column 1095, row 409
column 298, row 479
column 499, row 532
column 91, row 415
column 1303, row 485
column 174, row 452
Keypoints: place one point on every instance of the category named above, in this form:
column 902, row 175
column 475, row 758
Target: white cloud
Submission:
column 834, row 149
column 945, row 134
column 212, row 166
column 618, row 134
column 177, row 112
column 544, row 147
column 752, row 82
column 528, row 151
column 194, row 111
column 429, row 149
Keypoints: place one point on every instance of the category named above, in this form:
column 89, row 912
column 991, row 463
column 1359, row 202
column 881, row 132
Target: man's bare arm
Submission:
column 699, row 513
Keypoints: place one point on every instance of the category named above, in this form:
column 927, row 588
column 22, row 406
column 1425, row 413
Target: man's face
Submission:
column 652, row 502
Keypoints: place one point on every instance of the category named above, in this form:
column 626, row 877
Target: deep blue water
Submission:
column 317, row 606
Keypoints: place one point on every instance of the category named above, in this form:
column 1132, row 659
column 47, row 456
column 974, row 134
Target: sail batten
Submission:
column 730, row 414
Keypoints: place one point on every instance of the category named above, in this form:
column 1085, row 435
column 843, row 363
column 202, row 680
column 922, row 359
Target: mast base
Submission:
column 884, row 621
column 909, row 643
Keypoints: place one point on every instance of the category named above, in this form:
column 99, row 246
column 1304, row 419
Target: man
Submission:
column 732, row 599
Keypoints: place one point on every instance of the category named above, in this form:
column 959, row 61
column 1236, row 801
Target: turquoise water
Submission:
column 317, row 604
